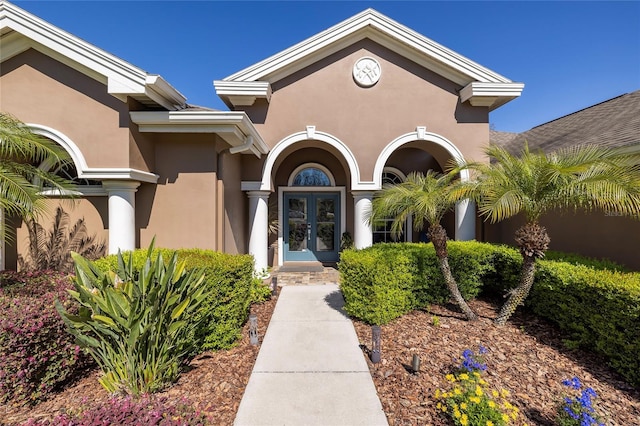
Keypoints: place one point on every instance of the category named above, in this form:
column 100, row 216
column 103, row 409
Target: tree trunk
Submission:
column 438, row 236
column 533, row 241
column 519, row 293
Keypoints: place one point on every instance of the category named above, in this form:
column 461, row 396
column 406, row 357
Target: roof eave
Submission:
column 21, row 30
column 491, row 95
column 234, row 127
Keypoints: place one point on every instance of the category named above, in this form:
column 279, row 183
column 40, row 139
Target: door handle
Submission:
column 309, row 231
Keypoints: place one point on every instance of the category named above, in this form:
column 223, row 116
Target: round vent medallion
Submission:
column 366, row 71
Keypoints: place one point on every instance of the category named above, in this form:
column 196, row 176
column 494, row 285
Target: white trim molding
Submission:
column 234, row 127
column 242, row 93
column 84, row 171
column 318, row 166
column 295, row 138
column 422, row 135
column 21, row 30
column 490, row 95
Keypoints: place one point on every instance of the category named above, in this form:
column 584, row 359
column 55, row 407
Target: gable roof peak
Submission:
column 481, row 86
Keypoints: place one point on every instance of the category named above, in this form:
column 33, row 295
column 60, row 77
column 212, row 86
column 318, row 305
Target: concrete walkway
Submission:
column 310, row 369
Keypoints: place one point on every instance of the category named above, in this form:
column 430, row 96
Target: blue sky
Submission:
column 570, row 55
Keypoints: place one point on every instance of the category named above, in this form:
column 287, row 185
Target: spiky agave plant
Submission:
column 427, row 198
column 534, row 183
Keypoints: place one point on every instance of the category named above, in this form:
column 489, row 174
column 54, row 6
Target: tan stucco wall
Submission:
column 236, row 206
column 94, row 211
column 180, row 211
column 37, row 89
column 594, row 235
column 367, row 119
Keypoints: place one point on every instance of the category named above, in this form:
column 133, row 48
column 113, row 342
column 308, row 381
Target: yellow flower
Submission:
column 475, row 373
column 464, row 420
column 508, row 405
column 505, row 418
column 489, row 423
column 450, row 378
column 495, row 393
column 482, row 382
column 439, row 406
column 478, row 391
column 464, row 376
column 492, row 404
column 463, row 405
column 437, row 394
column 475, row 399
column 504, row 393
column 456, row 414
column 457, row 391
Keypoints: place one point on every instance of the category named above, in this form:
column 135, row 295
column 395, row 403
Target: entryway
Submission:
column 311, row 229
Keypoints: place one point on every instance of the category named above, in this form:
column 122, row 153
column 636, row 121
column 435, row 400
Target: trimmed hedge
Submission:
column 593, row 301
column 386, row 281
column 233, row 290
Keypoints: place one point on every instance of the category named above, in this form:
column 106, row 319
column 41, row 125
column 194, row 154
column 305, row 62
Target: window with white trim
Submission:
column 382, row 231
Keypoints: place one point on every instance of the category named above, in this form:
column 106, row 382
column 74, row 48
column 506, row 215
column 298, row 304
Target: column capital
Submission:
column 258, row 194
column 120, row 185
column 362, row 194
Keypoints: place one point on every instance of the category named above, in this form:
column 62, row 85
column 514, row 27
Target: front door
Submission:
column 311, row 226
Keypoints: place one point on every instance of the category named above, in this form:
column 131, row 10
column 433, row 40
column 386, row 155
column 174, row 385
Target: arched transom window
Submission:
column 311, row 174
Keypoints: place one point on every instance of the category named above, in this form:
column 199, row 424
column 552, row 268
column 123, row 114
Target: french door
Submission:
column 311, row 226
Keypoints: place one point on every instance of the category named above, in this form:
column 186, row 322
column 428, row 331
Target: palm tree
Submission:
column 427, row 198
column 533, row 183
column 21, row 181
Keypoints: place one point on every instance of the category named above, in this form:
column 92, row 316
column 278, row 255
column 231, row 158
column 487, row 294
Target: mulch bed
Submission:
column 526, row 357
column 214, row 383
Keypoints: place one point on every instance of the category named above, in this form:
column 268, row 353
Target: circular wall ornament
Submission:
column 366, row 71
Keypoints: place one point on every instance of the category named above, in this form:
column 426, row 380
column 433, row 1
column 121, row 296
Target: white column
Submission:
column 362, row 232
column 465, row 220
column 122, row 214
column 259, row 228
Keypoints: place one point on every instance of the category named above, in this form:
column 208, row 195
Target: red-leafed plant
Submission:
column 37, row 354
column 129, row 411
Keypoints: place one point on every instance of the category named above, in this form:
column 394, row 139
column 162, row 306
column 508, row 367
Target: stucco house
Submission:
column 311, row 133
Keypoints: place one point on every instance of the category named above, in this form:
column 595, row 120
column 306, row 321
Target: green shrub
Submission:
column 376, row 289
column 136, row 324
column 412, row 275
column 599, row 308
column 231, row 287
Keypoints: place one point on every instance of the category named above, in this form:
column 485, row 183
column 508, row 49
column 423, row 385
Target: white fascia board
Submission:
column 236, row 123
column 491, row 95
column 242, row 93
column 261, row 89
column 123, row 78
column 118, row 174
column 367, row 24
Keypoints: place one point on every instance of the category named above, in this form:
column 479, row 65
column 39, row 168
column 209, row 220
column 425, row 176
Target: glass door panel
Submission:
column 298, row 223
column 325, row 224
